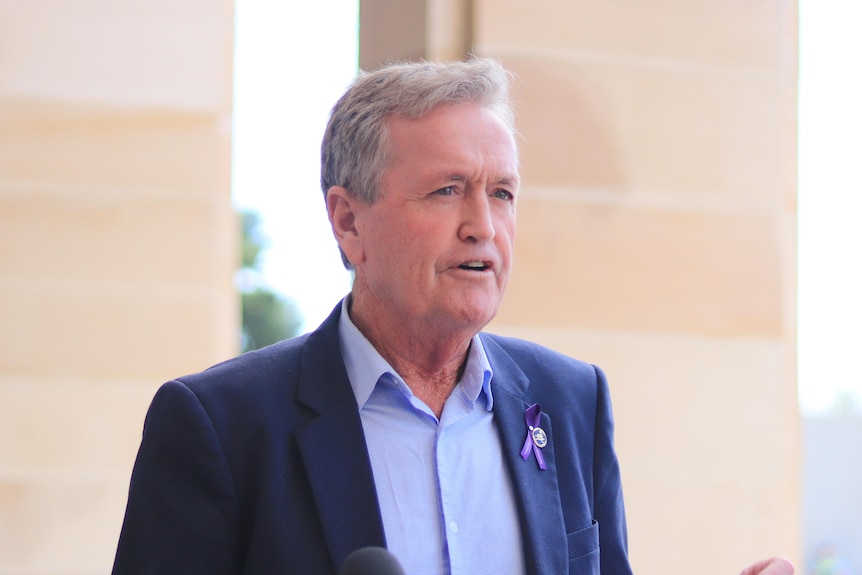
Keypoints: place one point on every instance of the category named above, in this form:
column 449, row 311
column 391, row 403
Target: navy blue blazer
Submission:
column 258, row 465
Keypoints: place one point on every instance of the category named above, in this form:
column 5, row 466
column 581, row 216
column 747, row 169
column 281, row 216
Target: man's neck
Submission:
column 429, row 361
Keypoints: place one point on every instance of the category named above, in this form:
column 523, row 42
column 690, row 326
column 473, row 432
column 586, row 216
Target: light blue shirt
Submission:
column 445, row 495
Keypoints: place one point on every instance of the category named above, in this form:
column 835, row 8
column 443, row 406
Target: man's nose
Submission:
column 477, row 223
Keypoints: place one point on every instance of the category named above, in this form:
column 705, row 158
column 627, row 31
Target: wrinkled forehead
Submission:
column 464, row 142
column 472, row 108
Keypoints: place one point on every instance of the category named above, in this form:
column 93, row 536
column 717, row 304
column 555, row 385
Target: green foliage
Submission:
column 267, row 317
column 252, row 241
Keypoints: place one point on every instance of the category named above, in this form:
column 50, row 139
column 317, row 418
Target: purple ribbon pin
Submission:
column 536, row 436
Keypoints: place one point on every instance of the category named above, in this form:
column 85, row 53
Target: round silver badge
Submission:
column 540, row 438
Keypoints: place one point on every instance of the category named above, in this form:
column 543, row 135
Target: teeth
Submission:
column 474, row 265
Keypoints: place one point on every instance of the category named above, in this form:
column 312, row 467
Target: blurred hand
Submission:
column 772, row 566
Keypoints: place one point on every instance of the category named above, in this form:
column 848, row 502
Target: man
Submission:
column 396, row 423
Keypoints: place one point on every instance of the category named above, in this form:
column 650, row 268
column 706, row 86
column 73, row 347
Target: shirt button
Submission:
column 453, row 527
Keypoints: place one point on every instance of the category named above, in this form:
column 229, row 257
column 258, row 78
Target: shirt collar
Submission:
column 365, row 365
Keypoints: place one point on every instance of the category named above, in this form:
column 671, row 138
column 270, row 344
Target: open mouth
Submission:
column 474, row 266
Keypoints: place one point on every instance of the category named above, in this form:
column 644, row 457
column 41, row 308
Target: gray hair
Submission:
column 354, row 152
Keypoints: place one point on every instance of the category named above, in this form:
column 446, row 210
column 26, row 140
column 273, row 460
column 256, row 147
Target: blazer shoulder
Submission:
column 266, row 372
column 532, row 357
column 276, row 364
column 277, row 360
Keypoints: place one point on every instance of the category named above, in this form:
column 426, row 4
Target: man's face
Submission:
column 436, row 247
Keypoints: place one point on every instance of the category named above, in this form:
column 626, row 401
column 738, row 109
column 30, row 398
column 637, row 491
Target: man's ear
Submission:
column 341, row 206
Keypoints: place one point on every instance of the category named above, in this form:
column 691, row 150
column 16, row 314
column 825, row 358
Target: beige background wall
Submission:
column 657, row 239
column 117, row 249
column 657, row 233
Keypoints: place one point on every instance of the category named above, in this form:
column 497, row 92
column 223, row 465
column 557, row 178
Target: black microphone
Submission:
column 371, row 561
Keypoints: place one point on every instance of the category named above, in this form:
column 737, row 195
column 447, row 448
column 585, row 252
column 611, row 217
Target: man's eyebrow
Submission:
column 508, row 181
column 511, row 181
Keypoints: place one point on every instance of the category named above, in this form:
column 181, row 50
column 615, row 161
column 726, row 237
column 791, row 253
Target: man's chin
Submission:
column 473, row 316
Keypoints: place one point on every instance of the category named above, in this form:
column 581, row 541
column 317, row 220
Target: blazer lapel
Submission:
column 334, row 450
column 537, row 491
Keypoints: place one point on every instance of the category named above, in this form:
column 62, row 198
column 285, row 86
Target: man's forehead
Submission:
column 451, row 119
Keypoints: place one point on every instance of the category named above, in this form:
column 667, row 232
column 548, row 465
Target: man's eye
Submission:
column 504, row 194
column 447, row 191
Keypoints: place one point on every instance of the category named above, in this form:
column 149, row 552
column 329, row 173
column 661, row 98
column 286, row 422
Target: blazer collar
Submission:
column 333, row 448
column 537, row 491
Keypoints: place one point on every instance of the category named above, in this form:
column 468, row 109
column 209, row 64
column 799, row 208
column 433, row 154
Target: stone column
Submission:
column 117, row 248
